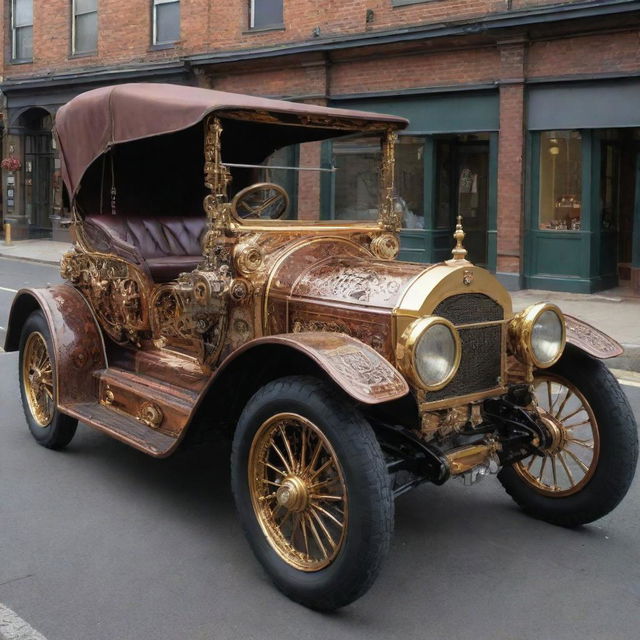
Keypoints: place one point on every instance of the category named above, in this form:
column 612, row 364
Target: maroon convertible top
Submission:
column 93, row 122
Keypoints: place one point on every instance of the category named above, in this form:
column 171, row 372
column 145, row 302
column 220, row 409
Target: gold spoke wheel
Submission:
column 298, row 491
column 37, row 379
column 571, row 460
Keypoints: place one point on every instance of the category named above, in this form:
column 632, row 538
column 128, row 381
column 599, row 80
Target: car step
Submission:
column 160, row 406
column 123, row 427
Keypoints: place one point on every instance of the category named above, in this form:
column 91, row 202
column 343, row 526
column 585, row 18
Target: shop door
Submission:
column 628, row 203
column 463, row 189
column 38, row 169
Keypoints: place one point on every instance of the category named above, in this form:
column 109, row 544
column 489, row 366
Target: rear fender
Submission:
column 591, row 340
column 77, row 340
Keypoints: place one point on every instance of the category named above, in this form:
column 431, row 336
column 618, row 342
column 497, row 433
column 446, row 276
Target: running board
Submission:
column 123, row 427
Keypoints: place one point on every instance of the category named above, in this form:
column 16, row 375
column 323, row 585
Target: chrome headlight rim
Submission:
column 526, row 321
column 409, row 343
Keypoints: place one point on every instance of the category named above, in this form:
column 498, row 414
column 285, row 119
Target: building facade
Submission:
column 524, row 114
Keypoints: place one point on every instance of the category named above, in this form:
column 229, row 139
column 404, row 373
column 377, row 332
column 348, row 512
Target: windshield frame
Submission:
column 218, row 178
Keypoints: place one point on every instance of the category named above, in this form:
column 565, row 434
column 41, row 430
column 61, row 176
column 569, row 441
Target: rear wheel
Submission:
column 49, row 427
column 312, row 492
column 589, row 467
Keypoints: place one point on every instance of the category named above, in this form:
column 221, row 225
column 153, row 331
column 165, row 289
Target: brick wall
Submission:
column 511, row 156
column 125, row 26
column 602, row 53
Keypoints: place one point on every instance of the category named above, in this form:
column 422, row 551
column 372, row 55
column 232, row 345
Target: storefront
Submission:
column 582, row 218
column 446, row 165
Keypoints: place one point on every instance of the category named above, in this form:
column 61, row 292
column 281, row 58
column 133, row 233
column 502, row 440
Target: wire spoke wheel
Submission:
column 37, row 379
column 571, row 460
column 298, row 491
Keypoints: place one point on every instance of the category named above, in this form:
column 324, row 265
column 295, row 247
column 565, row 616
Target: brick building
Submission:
column 525, row 114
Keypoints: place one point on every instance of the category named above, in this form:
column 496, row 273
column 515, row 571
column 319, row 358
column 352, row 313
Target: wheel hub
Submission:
column 556, row 431
column 293, row 494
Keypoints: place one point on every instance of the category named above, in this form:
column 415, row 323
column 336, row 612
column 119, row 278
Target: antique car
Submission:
column 203, row 298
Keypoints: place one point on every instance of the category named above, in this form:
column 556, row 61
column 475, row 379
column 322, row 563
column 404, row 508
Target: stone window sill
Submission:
column 275, row 27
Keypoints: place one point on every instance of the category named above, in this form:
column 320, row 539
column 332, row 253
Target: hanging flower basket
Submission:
column 11, row 164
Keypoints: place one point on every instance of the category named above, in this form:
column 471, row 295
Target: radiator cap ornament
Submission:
column 459, row 252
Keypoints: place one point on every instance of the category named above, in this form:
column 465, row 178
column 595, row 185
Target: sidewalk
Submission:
column 613, row 312
column 46, row 251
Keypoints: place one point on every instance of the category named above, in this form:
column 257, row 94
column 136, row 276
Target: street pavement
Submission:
column 100, row 542
column 15, row 274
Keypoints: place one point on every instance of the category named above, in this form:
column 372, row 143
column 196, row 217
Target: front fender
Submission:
column 354, row 366
column 591, row 340
column 75, row 334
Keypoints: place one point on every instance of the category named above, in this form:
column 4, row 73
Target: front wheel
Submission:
column 591, row 462
column 312, row 492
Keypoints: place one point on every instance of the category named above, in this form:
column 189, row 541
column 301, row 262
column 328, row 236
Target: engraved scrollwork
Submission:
column 362, row 371
column 360, row 283
column 390, row 216
column 356, row 330
column 116, row 289
column 590, row 339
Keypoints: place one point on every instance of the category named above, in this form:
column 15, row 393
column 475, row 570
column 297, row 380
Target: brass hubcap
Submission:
column 298, row 491
column 572, row 457
column 37, row 379
column 293, row 494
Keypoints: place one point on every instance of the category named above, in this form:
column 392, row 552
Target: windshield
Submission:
column 336, row 180
column 333, row 180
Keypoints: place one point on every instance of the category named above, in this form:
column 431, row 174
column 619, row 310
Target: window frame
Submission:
column 264, row 27
column 74, row 16
column 14, row 29
column 154, row 24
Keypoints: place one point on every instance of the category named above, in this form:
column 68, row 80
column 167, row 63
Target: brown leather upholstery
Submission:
column 164, row 246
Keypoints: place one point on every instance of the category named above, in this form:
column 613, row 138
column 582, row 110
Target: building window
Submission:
column 356, row 178
column 22, row 30
column 84, row 34
column 265, row 13
column 166, row 21
column 409, row 181
column 560, row 180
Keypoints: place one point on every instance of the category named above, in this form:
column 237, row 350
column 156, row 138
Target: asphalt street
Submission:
column 100, row 542
column 15, row 274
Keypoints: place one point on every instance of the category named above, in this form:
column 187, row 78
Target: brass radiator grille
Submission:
column 480, row 366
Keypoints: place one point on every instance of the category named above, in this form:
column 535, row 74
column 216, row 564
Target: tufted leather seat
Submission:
column 164, row 246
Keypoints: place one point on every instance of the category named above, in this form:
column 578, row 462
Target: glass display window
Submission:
column 409, row 181
column 560, row 180
column 356, row 179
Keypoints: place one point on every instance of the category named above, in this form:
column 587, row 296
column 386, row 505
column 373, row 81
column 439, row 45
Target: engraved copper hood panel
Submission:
column 336, row 285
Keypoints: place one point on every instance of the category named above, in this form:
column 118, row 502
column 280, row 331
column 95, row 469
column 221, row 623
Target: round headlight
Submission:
column 431, row 352
column 547, row 337
column 538, row 334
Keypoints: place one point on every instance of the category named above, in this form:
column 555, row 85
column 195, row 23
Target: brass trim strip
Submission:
column 453, row 401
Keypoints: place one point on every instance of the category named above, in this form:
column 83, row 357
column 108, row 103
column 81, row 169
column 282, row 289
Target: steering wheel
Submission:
column 264, row 200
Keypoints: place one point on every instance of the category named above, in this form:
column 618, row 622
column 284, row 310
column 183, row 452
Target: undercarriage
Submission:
column 469, row 442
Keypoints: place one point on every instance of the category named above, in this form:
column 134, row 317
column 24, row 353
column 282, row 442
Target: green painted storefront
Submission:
column 599, row 254
column 466, row 125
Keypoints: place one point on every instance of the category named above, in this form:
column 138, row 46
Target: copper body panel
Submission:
column 77, row 340
column 589, row 339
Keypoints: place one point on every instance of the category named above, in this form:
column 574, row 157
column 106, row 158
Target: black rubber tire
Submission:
column 59, row 432
column 371, row 506
column 618, row 449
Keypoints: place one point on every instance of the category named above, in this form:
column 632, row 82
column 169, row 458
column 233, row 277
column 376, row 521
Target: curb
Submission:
column 628, row 361
column 50, row 263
